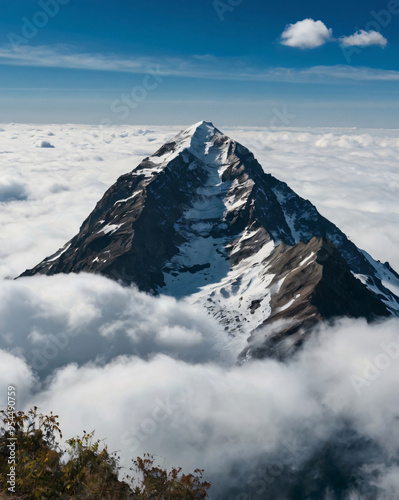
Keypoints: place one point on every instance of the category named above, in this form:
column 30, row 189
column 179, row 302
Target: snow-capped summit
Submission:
column 201, row 219
column 202, row 140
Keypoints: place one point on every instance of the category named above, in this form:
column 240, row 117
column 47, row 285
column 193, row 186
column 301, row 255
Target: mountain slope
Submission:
column 315, row 283
column 200, row 219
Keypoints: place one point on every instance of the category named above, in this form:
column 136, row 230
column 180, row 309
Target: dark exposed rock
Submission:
column 317, row 285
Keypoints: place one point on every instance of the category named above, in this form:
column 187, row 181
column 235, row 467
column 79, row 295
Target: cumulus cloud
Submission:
column 17, row 373
column 44, row 144
column 364, row 38
column 310, row 34
column 11, row 189
column 262, row 428
column 51, row 321
column 154, row 374
column 306, row 34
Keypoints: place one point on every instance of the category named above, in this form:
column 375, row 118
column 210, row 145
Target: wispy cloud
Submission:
column 196, row 66
column 342, row 72
column 63, row 56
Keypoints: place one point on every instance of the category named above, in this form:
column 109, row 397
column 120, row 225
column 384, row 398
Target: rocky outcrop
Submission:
column 314, row 283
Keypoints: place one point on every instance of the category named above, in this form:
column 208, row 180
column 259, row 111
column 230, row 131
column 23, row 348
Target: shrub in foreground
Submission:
column 87, row 471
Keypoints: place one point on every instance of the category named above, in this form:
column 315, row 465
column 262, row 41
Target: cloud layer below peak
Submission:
column 153, row 374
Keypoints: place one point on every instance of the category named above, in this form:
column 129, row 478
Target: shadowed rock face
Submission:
column 201, row 219
column 317, row 285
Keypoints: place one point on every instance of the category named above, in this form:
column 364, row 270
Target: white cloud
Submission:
column 51, row 321
column 17, row 373
column 364, row 38
column 309, row 34
column 306, row 34
column 11, row 188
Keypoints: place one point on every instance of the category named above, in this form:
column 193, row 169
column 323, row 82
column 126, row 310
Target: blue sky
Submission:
column 249, row 62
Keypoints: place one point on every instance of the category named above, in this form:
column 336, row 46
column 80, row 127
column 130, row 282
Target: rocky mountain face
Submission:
column 201, row 220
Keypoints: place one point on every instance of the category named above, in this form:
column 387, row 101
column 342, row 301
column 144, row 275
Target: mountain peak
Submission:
column 199, row 135
column 201, row 219
column 202, row 141
column 202, row 125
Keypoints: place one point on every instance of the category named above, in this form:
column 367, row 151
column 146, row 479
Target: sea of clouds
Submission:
column 156, row 375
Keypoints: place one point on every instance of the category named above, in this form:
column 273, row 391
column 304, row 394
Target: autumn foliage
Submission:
column 86, row 471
